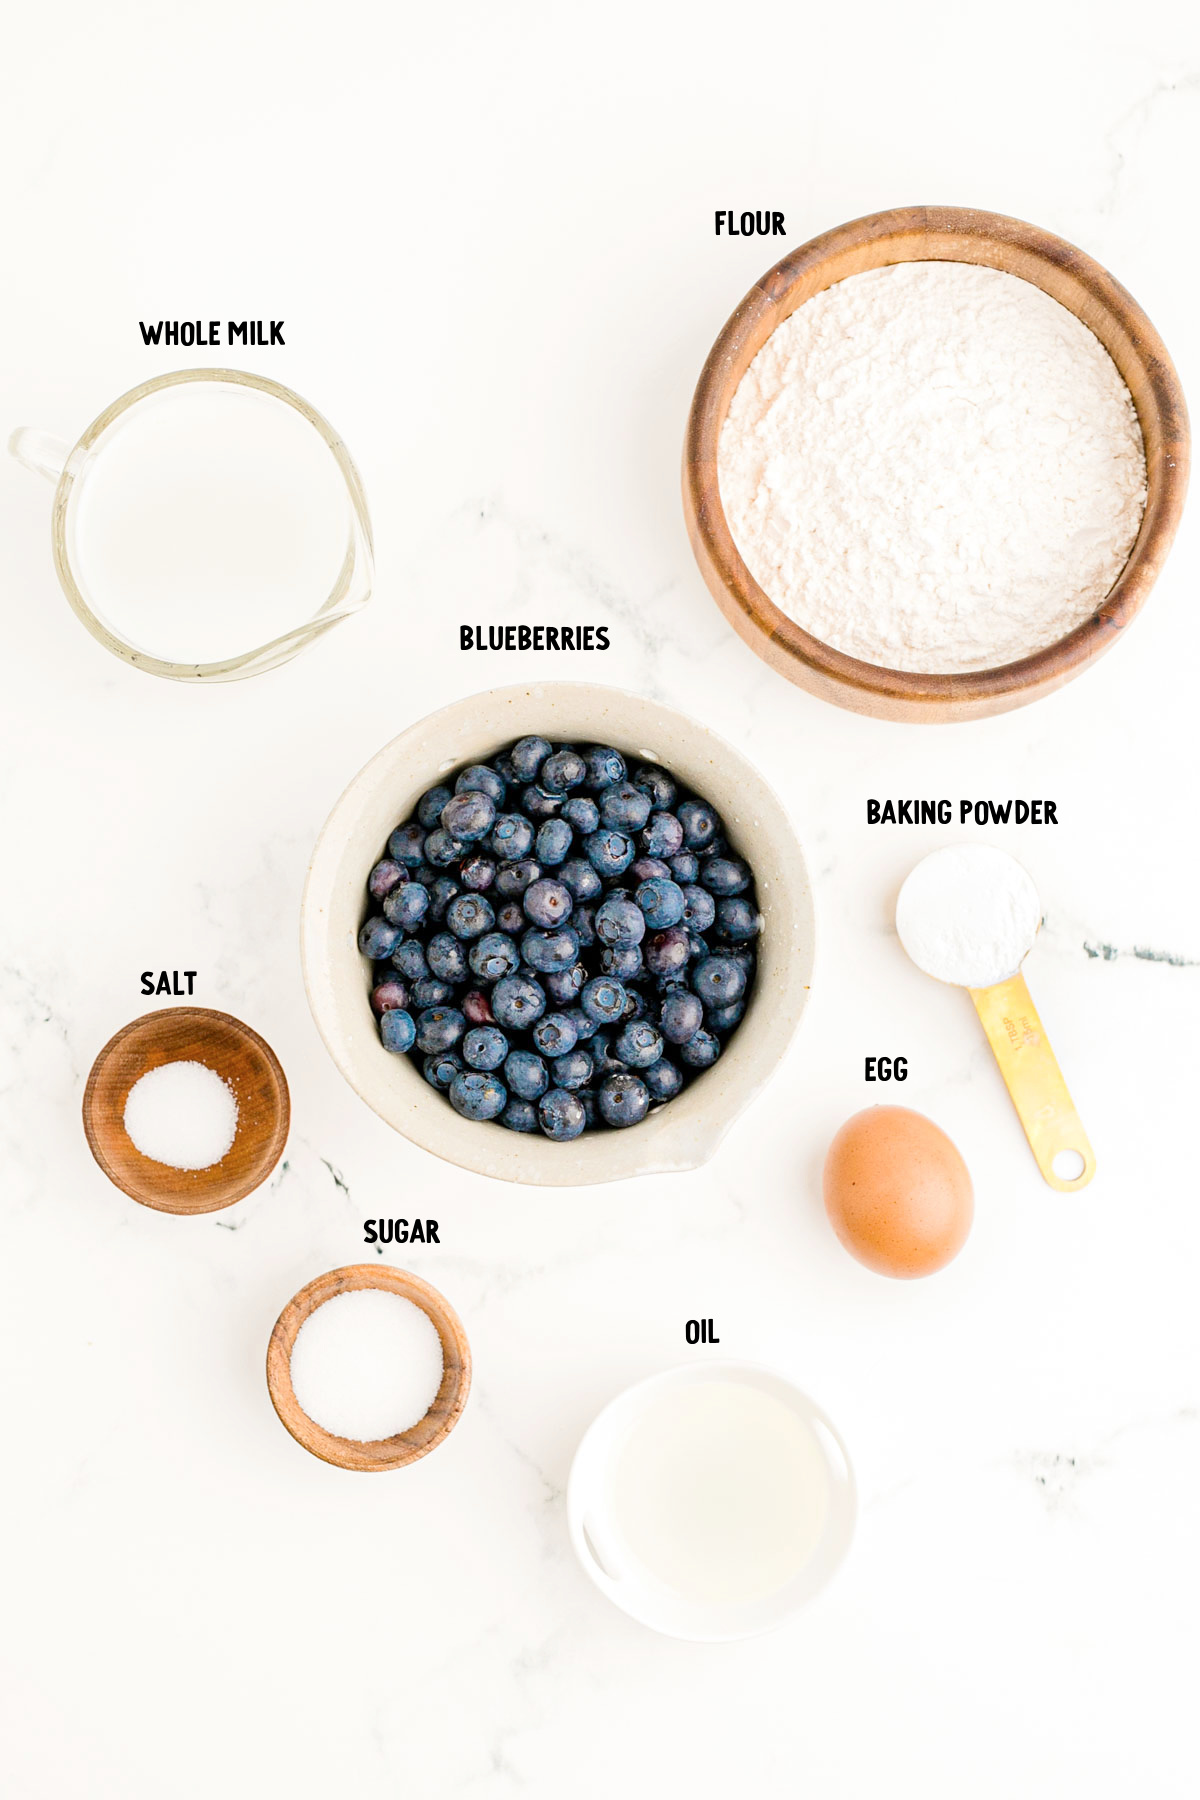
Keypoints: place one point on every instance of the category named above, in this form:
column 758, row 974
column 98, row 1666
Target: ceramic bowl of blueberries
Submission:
column 558, row 934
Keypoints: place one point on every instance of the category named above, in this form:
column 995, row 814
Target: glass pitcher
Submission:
column 207, row 526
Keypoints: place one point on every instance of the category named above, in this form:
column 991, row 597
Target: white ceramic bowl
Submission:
column 684, row 1133
column 601, row 1550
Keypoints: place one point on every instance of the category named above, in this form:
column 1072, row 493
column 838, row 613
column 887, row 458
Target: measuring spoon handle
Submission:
column 1033, row 1079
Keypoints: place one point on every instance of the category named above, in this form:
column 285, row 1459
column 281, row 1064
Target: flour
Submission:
column 933, row 466
column 968, row 915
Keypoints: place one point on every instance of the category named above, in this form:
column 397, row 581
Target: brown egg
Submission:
column 897, row 1192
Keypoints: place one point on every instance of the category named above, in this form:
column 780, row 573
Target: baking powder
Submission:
column 933, row 466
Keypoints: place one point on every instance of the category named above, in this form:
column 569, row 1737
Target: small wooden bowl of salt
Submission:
column 380, row 1357
column 186, row 1110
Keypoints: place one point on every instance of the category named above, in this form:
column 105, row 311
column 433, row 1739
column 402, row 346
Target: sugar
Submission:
column 182, row 1114
column 367, row 1365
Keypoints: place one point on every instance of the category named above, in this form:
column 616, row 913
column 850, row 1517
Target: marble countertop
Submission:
column 492, row 243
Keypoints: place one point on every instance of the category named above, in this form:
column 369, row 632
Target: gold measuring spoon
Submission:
column 969, row 915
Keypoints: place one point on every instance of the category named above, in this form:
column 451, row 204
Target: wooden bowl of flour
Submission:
column 937, row 234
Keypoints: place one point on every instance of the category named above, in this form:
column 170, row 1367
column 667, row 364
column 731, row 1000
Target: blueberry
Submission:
column 470, row 915
column 407, row 905
column 512, row 878
column 493, row 955
column 579, row 877
column 657, row 783
column 581, row 815
column 724, row 1018
column 478, row 1095
column 603, row 1000
column 407, row 844
column 440, row 895
column 699, row 908
column 469, row 815
column 484, row 1047
column 604, row 1061
column 441, row 1068
column 625, row 961
column 666, row 952
column 718, row 981
column 609, row 852
column 528, row 755
column 662, row 835
column 429, row 991
column 624, row 807
column 661, row 902
column 680, row 1016
column 442, row 849
column 482, row 780
column 554, row 1035
column 565, row 985
column 583, row 924
column 429, row 806
column 605, row 767
column 519, row 1115
column 477, row 873
column 725, row 875
column 512, row 837
column 517, row 1002
column 503, row 765
column 619, row 921
column 439, row 1028
column 663, row 1080
column 737, row 920
column 649, row 868
column 697, row 948
column 510, row 917
column 553, row 842
column 685, row 867
column 384, row 877
column 377, row 938
column 547, row 951
column 397, row 1030
column 574, row 1070
column 526, row 1074
column 638, row 1045
column 541, row 805
column 388, row 994
column 409, row 958
column 587, row 1100
column 447, row 957
column 561, row 772
column 423, row 872
column 701, row 1051
column 624, row 1100
column 561, row 1115
column 548, row 903
column 585, row 1025
column 700, row 823
column 477, row 1008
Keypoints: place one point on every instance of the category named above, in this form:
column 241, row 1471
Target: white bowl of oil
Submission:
column 711, row 1502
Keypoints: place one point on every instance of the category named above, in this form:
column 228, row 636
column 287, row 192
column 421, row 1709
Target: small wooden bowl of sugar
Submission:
column 983, row 625
column 379, row 1357
column 187, row 1110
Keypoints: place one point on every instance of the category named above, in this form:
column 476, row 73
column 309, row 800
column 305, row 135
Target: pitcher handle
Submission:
column 40, row 451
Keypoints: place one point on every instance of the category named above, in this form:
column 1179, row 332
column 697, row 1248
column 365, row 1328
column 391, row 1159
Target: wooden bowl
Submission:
column 936, row 234
column 382, row 1453
column 234, row 1052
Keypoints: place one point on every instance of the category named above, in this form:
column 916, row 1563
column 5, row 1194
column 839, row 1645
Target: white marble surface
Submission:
column 490, row 234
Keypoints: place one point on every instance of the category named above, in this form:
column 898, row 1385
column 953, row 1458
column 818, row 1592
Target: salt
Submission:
column 182, row 1114
column 367, row 1365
